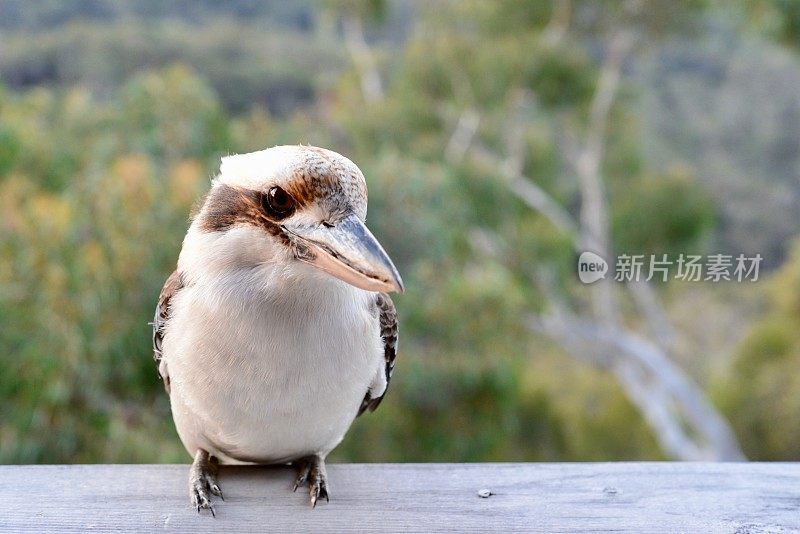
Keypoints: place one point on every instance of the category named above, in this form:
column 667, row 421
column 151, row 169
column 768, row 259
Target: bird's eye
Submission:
column 279, row 202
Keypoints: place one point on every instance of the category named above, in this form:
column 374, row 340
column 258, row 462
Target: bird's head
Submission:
column 291, row 204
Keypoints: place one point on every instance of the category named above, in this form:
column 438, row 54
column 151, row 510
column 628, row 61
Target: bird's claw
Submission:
column 312, row 470
column 201, row 501
column 318, row 491
column 203, row 484
column 302, row 474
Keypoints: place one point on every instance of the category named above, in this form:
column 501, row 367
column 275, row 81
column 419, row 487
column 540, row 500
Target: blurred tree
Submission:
column 247, row 60
column 352, row 14
column 760, row 389
column 761, row 392
column 94, row 211
column 779, row 19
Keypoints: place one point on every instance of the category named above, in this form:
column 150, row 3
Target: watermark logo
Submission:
column 591, row 267
column 661, row 267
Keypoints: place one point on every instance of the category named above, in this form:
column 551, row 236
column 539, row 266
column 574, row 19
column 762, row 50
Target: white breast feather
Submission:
column 268, row 361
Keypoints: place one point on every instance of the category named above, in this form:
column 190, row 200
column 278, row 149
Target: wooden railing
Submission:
column 584, row 497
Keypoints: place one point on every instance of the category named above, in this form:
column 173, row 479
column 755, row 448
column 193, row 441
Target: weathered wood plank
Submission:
column 625, row 497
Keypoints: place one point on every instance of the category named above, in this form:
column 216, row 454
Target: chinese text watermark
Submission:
column 662, row 267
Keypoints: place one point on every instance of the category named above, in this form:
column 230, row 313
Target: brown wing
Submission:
column 173, row 284
column 388, row 322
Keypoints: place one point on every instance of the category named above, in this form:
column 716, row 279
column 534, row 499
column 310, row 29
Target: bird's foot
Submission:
column 311, row 469
column 203, row 481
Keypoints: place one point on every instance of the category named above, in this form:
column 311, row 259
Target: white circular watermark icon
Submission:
column 591, row 267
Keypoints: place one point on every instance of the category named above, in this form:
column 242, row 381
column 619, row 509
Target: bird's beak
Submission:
column 349, row 252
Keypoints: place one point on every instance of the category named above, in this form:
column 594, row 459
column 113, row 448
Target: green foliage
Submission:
column 173, row 114
column 86, row 240
column 780, row 19
column 662, row 214
column 761, row 393
column 247, row 62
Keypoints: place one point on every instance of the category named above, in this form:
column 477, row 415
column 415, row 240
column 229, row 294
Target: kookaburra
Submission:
column 276, row 331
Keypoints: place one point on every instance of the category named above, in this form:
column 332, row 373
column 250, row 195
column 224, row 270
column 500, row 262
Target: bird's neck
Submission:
column 242, row 263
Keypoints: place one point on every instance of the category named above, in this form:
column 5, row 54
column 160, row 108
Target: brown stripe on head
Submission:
column 227, row 206
column 306, row 187
column 330, row 180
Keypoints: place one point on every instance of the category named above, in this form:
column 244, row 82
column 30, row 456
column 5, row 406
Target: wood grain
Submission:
column 590, row 497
